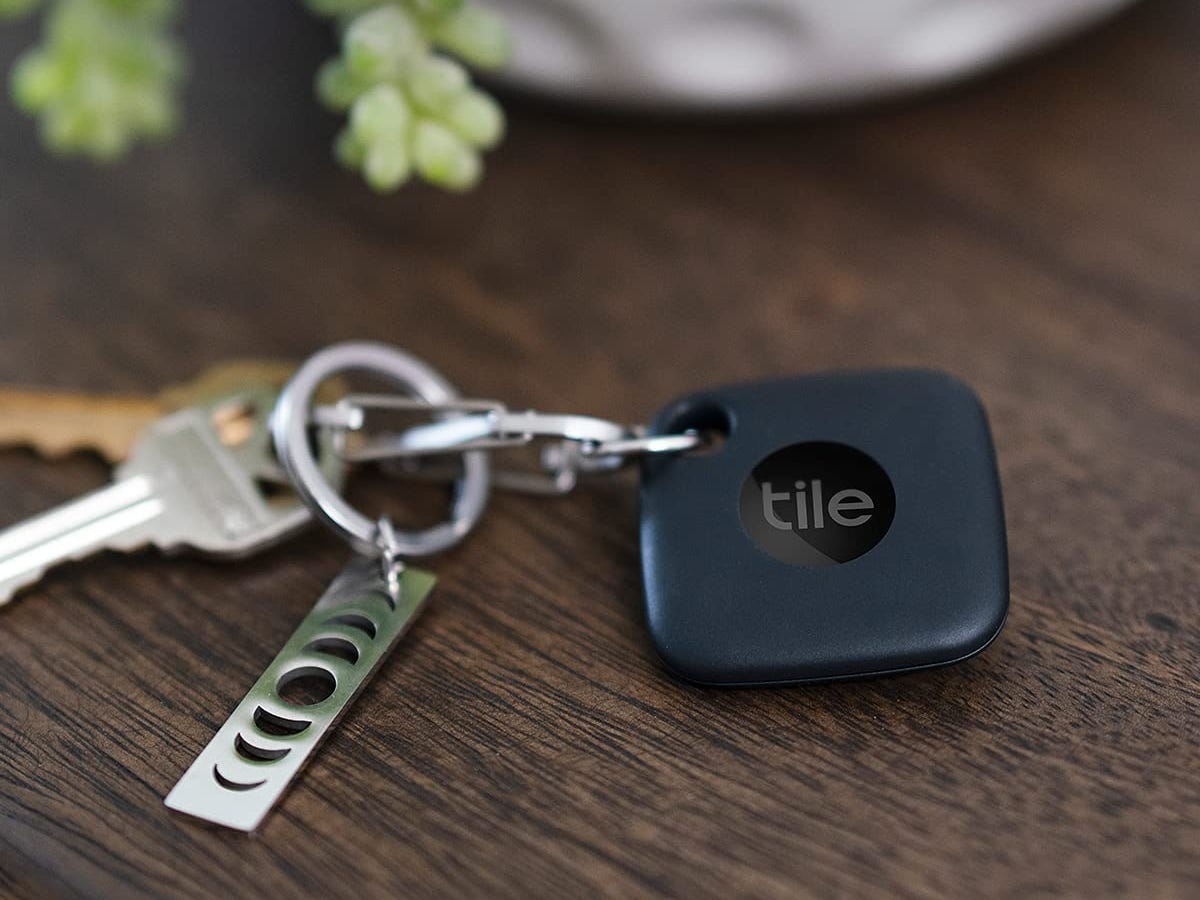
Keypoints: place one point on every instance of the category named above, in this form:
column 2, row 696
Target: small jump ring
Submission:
column 290, row 426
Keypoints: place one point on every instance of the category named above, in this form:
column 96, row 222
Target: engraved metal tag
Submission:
column 245, row 769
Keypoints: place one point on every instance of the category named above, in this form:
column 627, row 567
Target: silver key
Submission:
column 182, row 488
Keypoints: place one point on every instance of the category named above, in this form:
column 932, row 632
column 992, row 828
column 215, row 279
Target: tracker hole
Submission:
column 710, row 420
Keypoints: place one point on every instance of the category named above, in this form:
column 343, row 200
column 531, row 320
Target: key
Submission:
column 203, row 479
column 56, row 423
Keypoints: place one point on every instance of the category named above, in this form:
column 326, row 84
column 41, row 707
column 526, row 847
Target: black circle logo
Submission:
column 817, row 504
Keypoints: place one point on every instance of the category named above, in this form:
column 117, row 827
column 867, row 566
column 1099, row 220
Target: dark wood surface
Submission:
column 1036, row 233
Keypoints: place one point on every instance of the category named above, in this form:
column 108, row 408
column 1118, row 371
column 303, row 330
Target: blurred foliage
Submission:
column 108, row 74
column 105, row 76
column 412, row 108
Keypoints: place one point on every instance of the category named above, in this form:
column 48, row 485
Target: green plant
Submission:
column 109, row 73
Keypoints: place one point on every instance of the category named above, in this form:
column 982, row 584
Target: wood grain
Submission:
column 1036, row 233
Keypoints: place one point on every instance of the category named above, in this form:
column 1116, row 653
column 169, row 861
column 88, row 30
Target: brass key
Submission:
column 57, row 422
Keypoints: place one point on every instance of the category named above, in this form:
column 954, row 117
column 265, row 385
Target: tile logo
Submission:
column 817, row 504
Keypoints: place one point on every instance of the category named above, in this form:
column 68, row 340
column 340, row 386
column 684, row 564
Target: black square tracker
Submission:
column 850, row 525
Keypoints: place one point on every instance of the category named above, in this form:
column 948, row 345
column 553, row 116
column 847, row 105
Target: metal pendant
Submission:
column 259, row 751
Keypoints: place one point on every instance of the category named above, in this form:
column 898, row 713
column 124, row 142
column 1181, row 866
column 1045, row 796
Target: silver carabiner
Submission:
column 578, row 444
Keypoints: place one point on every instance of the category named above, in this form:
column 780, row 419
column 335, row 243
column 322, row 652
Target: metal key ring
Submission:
column 290, row 425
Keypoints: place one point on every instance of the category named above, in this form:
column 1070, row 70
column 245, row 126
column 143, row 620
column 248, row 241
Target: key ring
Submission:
column 290, row 429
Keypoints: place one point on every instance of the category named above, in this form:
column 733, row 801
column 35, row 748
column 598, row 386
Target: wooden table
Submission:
column 1036, row 233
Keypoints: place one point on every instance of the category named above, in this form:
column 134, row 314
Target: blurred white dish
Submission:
column 729, row 54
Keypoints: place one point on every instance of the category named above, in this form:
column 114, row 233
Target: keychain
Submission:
column 847, row 525
column 249, row 763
